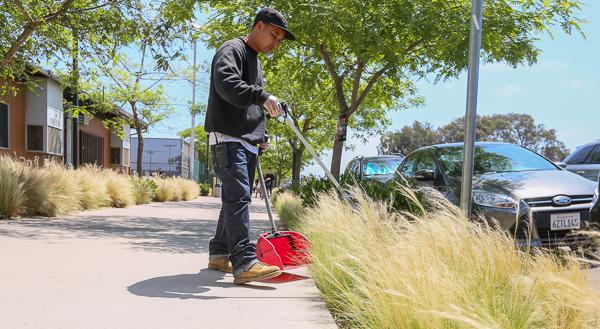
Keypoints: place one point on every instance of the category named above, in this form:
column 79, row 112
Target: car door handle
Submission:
column 580, row 172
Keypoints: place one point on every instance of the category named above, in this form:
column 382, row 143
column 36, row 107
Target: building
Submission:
column 34, row 124
column 101, row 146
column 170, row 156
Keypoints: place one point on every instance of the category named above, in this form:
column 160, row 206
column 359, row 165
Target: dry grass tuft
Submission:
column 94, row 186
column 378, row 269
column 289, row 208
column 120, row 189
column 12, row 192
column 28, row 189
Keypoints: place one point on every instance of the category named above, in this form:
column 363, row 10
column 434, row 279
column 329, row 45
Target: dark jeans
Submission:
column 233, row 229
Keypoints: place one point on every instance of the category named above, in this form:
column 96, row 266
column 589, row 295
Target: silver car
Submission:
column 531, row 197
column 584, row 160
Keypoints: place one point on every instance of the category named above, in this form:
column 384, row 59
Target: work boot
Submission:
column 258, row 271
column 220, row 264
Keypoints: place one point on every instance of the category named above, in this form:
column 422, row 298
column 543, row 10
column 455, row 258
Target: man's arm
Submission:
column 227, row 77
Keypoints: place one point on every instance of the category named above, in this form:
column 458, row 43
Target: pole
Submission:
column 75, row 121
column 471, row 113
column 193, row 133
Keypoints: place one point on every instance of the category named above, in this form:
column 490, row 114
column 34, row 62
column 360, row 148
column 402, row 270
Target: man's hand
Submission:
column 264, row 147
column 273, row 106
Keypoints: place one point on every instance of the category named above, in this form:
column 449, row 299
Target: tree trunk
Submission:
column 295, row 174
column 297, row 164
column 140, row 151
column 338, row 145
column 336, row 159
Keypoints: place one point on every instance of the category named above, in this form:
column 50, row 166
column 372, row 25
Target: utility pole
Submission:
column 193, row 132
column 75, row 121
column 471, row 113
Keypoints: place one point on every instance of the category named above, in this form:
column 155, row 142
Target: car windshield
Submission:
column 380, row 166
column 493, row 158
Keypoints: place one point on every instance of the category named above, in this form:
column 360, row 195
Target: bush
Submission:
column 289, row 209
column 143, row 190
column 167, row 190
column 309, row 188
column 189, row 189
column 52, row 189
column 12, row 192
column 63, row 190
column 94, row 187
column 48, row 191
column 36, row 185
column 120, row 190
column 175, row 189
column 204, row 189
column 380, row 269
column 398, row 196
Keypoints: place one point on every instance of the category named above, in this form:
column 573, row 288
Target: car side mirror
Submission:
column 561, row 164
column 424, row 175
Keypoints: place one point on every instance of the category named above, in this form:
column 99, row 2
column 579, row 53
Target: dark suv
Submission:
column 585, row 160
column 513, row 185
column 379, row 168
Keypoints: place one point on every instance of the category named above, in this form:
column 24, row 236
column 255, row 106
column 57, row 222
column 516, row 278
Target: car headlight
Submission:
column 493, row 200
column 595, row 195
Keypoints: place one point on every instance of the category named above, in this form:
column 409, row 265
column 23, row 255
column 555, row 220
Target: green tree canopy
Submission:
column 136, row 84
column 309, row 108
column 34, row 32
column 409, row 138
column 515, row 128
column 372, row 51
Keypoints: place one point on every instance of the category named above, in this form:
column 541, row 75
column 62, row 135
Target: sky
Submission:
column 561, row 91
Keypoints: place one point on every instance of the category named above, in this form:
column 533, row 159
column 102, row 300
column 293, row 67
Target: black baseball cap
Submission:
column 273, row 17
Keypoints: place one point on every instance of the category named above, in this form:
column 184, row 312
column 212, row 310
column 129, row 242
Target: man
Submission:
column 269, row 180
column 235, row 121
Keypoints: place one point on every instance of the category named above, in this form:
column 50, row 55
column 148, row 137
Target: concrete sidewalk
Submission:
column 141, row 267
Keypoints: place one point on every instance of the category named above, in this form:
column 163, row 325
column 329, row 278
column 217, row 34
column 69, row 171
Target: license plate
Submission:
column 566, row 221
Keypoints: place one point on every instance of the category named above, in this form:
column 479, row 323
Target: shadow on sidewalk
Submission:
column 186, row 286
column 257, row 206
column 171, row 235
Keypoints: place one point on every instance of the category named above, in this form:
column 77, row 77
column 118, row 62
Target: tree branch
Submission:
column 360, row 66
column 94, row 7
column 28, row 31
column 60, row 12
column 306, row 125
column 365, row 91
column 339, row 81
column 23, row 10
column 354, row 106
column 154, row 84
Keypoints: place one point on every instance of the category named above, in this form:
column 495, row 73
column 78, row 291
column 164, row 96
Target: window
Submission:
column 35, row 138
column 115, row 155
column 4, row 125
column 91, row 149
column 380, row 166
column 580, row 155
column 353, row 167
column 594, row 156
column 408, row 166
column 493, row 158
column 425, row 162
column 125, row 157
column 55, row 140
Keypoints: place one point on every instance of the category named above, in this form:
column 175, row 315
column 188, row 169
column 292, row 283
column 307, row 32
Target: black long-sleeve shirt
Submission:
column 236, row 93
